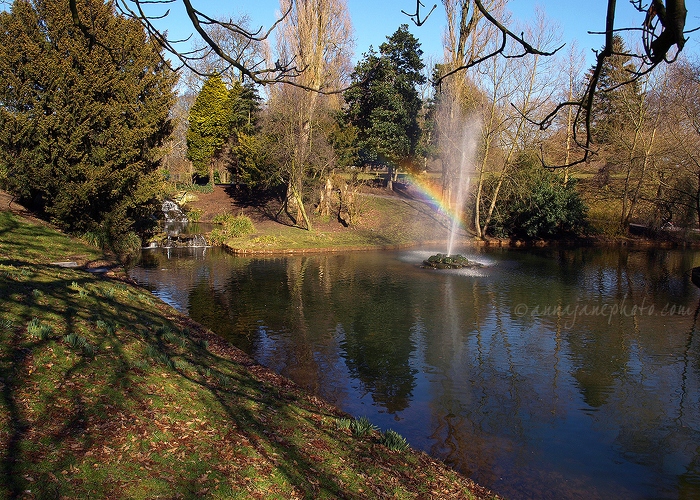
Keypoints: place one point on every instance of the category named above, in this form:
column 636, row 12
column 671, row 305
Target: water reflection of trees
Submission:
column 497, row 391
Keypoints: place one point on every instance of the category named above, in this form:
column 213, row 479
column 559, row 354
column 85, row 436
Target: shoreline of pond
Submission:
column 602, row 242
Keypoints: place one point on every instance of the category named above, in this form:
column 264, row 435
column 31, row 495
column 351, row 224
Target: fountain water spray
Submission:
column 458, row 142
column 459, row 145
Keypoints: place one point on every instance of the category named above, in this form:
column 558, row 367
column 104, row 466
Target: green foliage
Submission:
column 197, row 188
column 126, row 244
column 194, row 214
column 384, row 103
column 537, row 204
column 219, row 116
column 209, row 124
column 81, row 120
column 343, row 423
column 248, row 159
column 362, row 426
column 611, row 108
column 394, row 441
column 232, row 226
column 36, row 329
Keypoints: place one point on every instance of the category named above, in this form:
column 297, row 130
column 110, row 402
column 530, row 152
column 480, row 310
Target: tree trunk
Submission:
column 301, row 211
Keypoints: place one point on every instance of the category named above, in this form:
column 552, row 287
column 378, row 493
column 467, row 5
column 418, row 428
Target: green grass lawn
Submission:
column 109, row 393
column 382, row 222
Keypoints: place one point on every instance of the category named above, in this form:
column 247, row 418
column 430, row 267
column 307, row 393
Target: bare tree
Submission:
column 233, row 43
column 640, row 143
column 678, row 180
column 317, row 34
column 662, row 29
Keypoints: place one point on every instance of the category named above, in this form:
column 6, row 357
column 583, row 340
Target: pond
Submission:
column 559, row 374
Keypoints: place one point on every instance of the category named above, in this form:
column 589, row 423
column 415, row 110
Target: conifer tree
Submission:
column 246, row 159
column 609, row 110
column 209, row 125
column 81, row 117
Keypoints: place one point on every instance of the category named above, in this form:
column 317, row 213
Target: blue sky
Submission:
column 374, row 20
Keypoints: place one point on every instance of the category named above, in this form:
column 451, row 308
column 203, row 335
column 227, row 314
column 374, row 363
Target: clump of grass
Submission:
column 6, row 325
column 140, row 364
column 174, row 338
column 98, row 238
column 75, row 340
column 362, row 426
column 37, row 293
column 394, row 441
column 223, row 379
column 38, row 330
column 159, row 356
column 79, row 342
column 108, row 292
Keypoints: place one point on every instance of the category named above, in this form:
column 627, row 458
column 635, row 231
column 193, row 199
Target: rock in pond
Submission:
column 444, row 261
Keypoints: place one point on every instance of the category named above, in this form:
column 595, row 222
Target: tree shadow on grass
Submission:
column 105, row 382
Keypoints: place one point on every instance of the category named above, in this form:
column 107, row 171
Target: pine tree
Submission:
column 81, row 118
column 245, row 158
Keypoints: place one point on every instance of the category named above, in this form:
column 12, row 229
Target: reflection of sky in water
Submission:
column 521, row 375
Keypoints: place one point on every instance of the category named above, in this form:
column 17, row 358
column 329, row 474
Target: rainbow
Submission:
column 431, row 194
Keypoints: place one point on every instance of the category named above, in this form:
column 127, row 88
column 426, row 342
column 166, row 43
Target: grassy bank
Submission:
column 109, row 393
column 381, row 222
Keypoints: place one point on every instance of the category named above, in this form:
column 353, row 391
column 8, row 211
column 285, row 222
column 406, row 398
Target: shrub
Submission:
column 232, row 226
column 194, row 214
column 536, row 203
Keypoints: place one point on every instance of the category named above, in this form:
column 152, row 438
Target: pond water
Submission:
column 555, row 374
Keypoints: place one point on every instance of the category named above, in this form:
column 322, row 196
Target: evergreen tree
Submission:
column 81, row 118
column 610, row 112
column 223, row 124
column 384, row 103
column 209, row 125
column 246, row 159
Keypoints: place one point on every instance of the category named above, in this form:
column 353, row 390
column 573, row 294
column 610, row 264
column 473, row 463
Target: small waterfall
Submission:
column 175, row 229
column 183, row 240
column 172, row 212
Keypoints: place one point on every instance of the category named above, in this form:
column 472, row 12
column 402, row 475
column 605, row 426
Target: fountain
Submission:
column 460, row 155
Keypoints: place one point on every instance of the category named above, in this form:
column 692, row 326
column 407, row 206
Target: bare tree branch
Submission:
column 672, row 18
column 506, row 35
column 416, row 17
